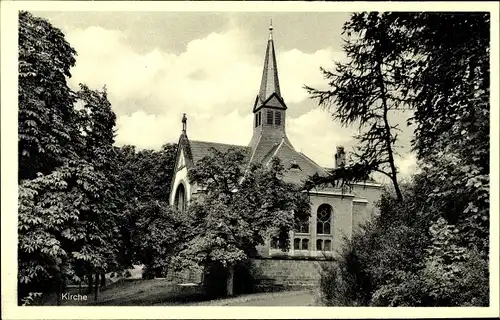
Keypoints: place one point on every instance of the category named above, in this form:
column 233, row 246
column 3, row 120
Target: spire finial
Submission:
column 271, row 29
column 184, row 122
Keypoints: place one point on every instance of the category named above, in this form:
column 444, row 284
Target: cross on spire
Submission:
column 271, row 29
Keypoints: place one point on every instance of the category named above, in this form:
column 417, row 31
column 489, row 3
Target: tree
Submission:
column 365, row 90
column 144, row 179
column 237, row 212
column 47, row 127
column 102, row 221
column 431, row 249
column 68, row 215
column 68, row 219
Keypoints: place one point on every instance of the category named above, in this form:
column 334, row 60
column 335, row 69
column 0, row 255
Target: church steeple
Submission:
column 270, row 81
column 269, row 108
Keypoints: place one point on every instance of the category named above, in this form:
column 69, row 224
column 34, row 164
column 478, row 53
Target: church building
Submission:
column 334, row 214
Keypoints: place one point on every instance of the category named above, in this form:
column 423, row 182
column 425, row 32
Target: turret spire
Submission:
column 270, row 82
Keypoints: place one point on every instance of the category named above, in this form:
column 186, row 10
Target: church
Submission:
column 334, row 214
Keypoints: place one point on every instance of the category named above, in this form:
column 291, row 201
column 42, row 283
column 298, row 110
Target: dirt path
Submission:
column 287, row 298
column 301, row 299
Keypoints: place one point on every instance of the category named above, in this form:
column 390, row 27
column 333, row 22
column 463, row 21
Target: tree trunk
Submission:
column 103, row 279
column 230, row 281
column 59, row 291
column 387, row 127
column 90, row 281
column 96, row 286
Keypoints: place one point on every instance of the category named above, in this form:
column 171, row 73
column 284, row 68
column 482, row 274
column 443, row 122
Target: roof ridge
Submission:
column 275, row 151
column 226, row 144
column 255, row 149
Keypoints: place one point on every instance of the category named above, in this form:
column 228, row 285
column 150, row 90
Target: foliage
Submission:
column 450, row 85
column 431, row 249
column 60, row 224
column 68, row 211
column 31, row 298
column 158, row 231
column 144, row 179
column 85, row 206
column 365, row 90
column 238, row 210
column 47, row 131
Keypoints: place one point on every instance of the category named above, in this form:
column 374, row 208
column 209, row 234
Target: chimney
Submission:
column 340, row 157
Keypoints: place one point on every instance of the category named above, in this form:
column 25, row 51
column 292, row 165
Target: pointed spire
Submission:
column 270, row 83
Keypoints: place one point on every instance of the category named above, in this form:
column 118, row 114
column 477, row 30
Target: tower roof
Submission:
column 270, row 82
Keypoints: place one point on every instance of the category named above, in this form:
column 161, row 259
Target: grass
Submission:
column 161, row 292
column 138, row 293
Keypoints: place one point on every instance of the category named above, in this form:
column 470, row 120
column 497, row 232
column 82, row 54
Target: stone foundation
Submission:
column 285, row 273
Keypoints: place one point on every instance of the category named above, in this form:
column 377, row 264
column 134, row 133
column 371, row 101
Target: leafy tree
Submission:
column 59, row 226
column 431, row 249
column 144, row 179
column 237, row 212
column 80, row 198
column 365, row 90
column 47, row 120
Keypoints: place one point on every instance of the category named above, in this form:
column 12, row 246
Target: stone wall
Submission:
column 279, row 273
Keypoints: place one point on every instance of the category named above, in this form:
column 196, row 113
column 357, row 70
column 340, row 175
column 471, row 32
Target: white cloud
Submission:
column 407, row 165
column 214, row 81
column 298, row 69
column 317, row 135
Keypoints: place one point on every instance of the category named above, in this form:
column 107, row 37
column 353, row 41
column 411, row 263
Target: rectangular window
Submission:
column 260, row 119
column 305, row 244
column 256, row 120
column 296, row 244
column 269, row 117
column 277, row 118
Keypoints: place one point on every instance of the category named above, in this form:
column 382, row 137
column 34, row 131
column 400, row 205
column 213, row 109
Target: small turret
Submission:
column 340, row 157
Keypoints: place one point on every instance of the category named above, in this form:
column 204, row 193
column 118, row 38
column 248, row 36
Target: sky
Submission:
column 158, row 65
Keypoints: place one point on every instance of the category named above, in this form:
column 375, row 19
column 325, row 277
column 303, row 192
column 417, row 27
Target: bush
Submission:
column 409, row 255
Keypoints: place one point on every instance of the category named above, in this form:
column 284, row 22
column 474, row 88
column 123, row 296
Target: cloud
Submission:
column 214, row 80
column 407, row 165
column 317, row 135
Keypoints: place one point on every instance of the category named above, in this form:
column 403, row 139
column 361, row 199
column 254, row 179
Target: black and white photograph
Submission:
column 250, row 157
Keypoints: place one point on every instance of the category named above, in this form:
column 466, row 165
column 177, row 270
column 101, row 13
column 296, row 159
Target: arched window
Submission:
column 180, row 198
column 324, row 219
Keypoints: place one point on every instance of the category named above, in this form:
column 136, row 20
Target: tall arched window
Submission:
column 180, row 198
column 324, row 219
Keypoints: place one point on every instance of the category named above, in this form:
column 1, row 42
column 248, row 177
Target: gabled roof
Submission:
column 273, row 101
column 195, row 150
column 200, row 149
column 304, row 167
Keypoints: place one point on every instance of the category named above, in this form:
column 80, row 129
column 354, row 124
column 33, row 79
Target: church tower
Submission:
column 269, row 108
